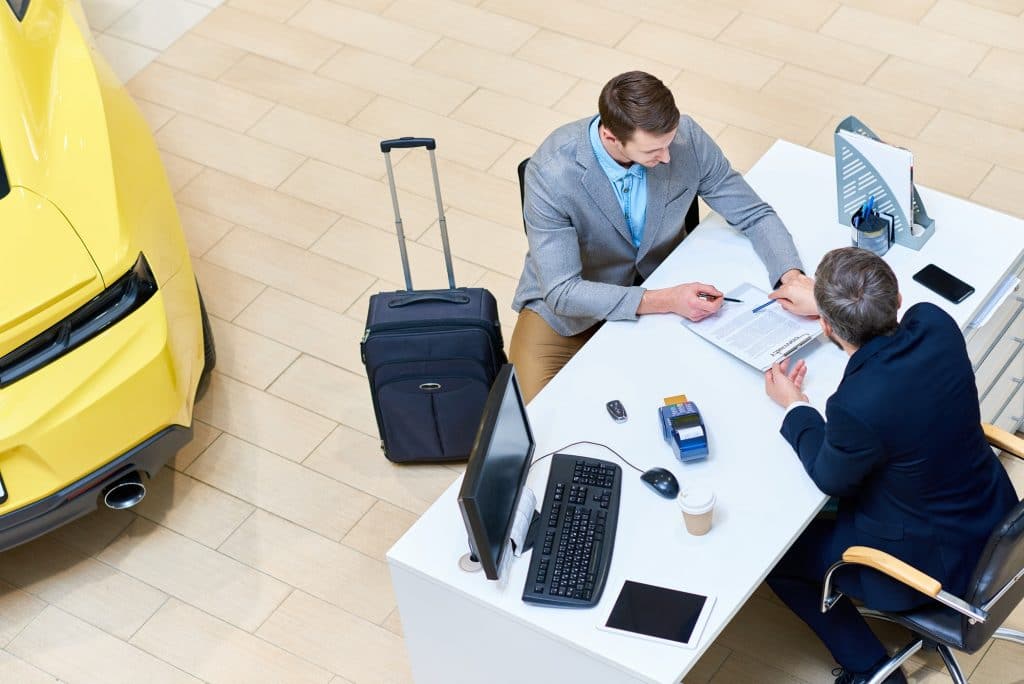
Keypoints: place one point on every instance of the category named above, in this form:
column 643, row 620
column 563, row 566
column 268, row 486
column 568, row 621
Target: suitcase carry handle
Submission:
column 430, row 144
column 408, row 141
column 452, row 298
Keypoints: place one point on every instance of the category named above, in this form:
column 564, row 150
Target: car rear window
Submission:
column 19, row 7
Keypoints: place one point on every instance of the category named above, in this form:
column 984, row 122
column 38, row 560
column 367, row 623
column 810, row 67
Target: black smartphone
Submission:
column 944, row 283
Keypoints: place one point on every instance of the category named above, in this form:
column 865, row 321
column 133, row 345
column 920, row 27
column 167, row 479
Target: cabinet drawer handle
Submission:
column 995, row 379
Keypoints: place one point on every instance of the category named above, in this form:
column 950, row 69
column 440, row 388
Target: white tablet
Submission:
column 668, row 616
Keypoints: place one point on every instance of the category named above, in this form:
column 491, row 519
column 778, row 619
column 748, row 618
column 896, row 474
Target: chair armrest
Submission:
column 901, row 572
column 893, row 567
column 1001, row 439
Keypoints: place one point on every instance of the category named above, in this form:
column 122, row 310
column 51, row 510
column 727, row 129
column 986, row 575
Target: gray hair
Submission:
column 857, row 294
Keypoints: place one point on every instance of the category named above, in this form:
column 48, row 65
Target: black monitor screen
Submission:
column 496, row 471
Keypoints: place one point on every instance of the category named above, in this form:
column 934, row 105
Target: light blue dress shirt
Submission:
column 630, row 185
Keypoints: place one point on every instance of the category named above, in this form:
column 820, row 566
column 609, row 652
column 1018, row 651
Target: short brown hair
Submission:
column 857, row 294
column 635, row 100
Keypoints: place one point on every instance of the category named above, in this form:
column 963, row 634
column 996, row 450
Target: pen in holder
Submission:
column 873, row 232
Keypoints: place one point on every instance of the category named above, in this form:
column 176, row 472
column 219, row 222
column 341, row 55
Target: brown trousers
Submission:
column 538, row 352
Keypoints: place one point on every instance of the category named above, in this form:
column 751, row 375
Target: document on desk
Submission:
column 758, row 339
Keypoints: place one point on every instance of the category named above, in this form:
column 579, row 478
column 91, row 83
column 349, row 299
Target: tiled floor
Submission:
column 259, row 556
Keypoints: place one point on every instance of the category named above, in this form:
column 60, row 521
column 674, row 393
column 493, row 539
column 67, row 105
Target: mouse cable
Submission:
column 585, row 441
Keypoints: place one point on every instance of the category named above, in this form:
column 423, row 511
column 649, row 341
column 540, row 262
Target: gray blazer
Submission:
column 581, row 265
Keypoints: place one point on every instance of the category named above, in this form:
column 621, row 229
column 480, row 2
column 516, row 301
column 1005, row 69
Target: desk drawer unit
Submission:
column 996, row 350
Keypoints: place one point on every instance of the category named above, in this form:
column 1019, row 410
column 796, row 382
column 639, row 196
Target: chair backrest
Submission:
column 1000, row 562
column 689, row 223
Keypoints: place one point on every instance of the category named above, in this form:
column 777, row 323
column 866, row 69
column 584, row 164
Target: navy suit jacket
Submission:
column 904, row 451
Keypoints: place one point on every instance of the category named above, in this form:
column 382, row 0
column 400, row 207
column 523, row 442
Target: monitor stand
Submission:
column 470, row 563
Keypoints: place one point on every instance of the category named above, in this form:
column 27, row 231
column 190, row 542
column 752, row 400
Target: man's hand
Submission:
column 796, row 294
column 785, row 386
column 694, row 301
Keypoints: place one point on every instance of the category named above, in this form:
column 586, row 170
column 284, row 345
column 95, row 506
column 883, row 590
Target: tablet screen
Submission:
column 657, row 612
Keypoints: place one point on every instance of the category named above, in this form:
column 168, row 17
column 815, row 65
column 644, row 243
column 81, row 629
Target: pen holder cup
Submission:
column 873, row 233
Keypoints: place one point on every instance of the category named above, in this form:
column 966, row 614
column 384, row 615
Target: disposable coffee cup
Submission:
column 698, row 506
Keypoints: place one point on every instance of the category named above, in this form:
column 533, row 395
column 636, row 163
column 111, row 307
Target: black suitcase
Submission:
column 430, row 355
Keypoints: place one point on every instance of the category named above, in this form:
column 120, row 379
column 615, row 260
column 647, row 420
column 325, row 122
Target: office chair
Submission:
column 689, row 222
column 964, row 624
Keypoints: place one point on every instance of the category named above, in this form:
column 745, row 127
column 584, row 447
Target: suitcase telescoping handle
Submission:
column 386, row 146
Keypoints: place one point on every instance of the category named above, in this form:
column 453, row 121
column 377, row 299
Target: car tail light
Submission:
column 124, row 296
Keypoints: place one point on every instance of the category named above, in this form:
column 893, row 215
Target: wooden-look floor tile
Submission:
column 201, row 56
column 279, row 10
column 905, row 39
column 263, row 36
column 333, row 572
column 77, row 584
column 202, row 437
column 906, row 10
column 805, row 15
column 192, row 508
column 337, row 640
column 478, row 27
column 17, row 609
column 340, row 394
column 227, row 150
column 379, row 529
column 1002, row 67
column 225, row 292
column 979, row 24
column 875, row 107
column 848, row 60
column 499, row 247
column 202, row 230
column 761, row 112
column 219, row 652
column 501, row 73
column 1001, row 190
column 75, row 651
column 713, row 58
column 318, row 138
column 359, row 197
column 17, row 670
column 457, row 140
column 323, row 281
column 938, row 87
column 265, row 420
column 92, row 533
column 309, row 328
column 364, row 30
column 415, row 85
column 350, row 456
column 255, row 206
column 195, row 574
column 280, row 486
column 697, row 17
column 1000, row 144
column 571, row 17
column 297, row 88
column 588, row 60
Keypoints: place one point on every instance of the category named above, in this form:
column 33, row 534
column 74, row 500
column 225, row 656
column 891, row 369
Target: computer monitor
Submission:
column 496, row 473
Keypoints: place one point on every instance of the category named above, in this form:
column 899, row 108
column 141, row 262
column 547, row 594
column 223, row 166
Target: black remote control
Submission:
column 616, row 410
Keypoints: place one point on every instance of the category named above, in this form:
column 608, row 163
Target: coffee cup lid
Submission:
column 697, row 499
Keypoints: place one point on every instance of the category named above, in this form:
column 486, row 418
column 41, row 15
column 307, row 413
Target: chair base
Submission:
column 945, row 652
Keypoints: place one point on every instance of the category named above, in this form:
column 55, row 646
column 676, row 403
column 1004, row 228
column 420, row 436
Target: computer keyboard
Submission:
column 573, row 548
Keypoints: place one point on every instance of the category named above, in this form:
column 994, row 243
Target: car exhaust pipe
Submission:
column 125, row 492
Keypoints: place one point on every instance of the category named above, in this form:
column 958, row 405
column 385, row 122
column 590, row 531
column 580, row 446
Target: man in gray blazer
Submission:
column 605, row 199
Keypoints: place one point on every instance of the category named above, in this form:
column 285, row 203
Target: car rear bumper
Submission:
column 82, row 497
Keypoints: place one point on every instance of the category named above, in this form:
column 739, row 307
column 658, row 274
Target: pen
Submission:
column 708, row 297
column 868, row 207
column 763, row 306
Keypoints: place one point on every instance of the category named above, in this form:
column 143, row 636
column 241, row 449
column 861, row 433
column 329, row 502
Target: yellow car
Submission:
column 104, row 341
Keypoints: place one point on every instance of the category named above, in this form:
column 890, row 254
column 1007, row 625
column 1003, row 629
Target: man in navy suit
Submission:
column 901, row 447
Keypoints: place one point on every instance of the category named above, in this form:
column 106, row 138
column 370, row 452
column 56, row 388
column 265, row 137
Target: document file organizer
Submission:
column 866, row 166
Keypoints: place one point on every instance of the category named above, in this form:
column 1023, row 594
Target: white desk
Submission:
column 461, row 628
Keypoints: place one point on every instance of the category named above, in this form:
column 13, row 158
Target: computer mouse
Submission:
column 662, row 482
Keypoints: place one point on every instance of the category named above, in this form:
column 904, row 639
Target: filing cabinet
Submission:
column 996, row 350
